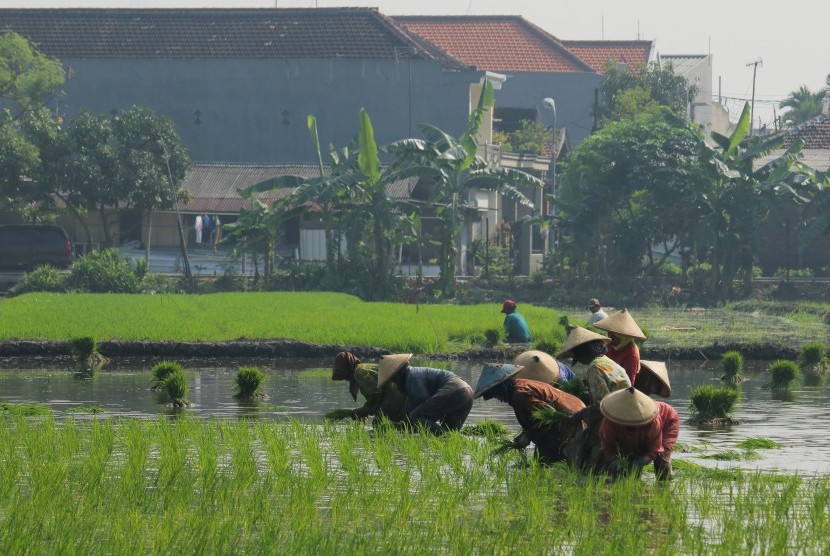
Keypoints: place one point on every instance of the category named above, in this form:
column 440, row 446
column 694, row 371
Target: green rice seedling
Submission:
column 547, row 416
column 314, row 373
column 176, row 387
column 813, row 358
column 339, row 414
column 733, row 364
column 85, row 352
column 710, row 405
column 758, row 443
column 24, row 409
column 249, row 383
column 488, row 428
column 492, row 337
column 575, row 387
column 783, row 374
column 161, row 371
column 91, row 409
column 733, row 455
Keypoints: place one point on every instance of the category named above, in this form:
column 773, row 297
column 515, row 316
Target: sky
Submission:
column 789, row 38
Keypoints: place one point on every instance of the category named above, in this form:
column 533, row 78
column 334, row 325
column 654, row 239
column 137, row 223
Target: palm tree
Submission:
column 803, row 105
column 453, row 165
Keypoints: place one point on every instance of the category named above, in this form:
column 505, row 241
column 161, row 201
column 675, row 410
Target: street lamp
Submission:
column 550, row 104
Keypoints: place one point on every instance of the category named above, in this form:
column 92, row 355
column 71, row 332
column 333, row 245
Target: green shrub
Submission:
column 103, row 272
column 531, row 137
column 176, row 387
column 732, row 364
column 44, row 278
column 709, row 402
column 159, row 283
column 249, row 383
column 781, row 273
column 813, row 354
column 668, row 269
column 783, row 374
column 161, row 371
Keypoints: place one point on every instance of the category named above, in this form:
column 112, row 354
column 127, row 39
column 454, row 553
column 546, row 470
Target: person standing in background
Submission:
column 198, row 226
column 597, row 314
column 217, row 232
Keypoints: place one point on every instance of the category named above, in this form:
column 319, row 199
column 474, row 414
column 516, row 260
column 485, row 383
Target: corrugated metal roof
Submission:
column 356, row 33
column 213, row 186
column 496, row 43
column 682, row 64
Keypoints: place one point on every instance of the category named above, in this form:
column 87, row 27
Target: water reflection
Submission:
column 304, row 389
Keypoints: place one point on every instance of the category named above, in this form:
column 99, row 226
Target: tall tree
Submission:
column 28, row 79
column 802, row 104
column 453, row 165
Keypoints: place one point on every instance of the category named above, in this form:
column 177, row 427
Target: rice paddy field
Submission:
column 126, row 486
column 332, row 318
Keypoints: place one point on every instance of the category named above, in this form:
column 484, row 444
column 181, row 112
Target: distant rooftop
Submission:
column 597, row 54
column 496, row 43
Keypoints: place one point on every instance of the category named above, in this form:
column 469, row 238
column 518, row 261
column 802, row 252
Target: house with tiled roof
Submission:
column 599, row 53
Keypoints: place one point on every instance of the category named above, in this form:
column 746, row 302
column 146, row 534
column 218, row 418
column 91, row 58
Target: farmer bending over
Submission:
column 363, row 378
column 623, row 350
column 526, row 396
column 438, row 400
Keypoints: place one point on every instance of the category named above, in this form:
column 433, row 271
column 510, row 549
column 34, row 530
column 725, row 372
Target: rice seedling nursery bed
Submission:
column 293, row 487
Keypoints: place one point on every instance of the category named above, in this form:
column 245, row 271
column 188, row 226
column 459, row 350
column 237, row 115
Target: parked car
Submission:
column 25, row 246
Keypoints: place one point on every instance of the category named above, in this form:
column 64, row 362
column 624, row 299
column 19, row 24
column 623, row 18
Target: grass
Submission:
column 24, row 409
column 162, row 486
column 783, row 374
column 248, row 383
column 758, row 443
column 732, row 364
column 161, row 371
column 319, row 317
column 709, row 402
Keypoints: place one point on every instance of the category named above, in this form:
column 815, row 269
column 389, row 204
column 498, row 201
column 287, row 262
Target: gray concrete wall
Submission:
column 256, row 110
column 572, row 92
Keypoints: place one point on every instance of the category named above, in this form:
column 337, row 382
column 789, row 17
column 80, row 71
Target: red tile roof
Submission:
column 496, row 43
column 218, row 33
column 598, row 53
column 815, row 133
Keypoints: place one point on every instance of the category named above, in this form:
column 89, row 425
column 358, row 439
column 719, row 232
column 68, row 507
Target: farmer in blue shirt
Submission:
column 514, row 324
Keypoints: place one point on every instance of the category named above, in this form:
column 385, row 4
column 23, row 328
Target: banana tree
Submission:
column 453, row 165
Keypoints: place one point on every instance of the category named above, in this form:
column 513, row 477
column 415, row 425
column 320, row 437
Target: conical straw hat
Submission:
column 577, row 337
column 628, row 407
column 538, row 365
column 391, row 364
column 494, row 374
column 660, row 372
column 621, row 323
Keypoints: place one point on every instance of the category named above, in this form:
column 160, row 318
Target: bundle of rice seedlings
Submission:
column 487, row 428
column 249, row 383
column 492, row 337
column 161, row 371
column 339, row 414
column 783, row 374
column 713, row 405
column 575, row 387
column 733, row 364
column 176, row 387
column 813, row 358
column 85, row 352
column 547, row 416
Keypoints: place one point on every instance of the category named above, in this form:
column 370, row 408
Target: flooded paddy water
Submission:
column 303, row 389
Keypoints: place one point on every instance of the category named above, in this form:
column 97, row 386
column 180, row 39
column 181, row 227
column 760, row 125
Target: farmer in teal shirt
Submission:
column 514, row 324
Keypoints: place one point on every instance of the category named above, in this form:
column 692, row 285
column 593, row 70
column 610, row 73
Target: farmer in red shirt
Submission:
column 623, row 350
column 637, row 431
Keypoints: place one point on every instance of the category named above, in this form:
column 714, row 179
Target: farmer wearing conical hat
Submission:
column 363, row 378
column 637, row 431
column 623, row 350
column 653, row 378
column 502, row 382
column 603, row 375
column 540, row 366
column 515, row 326
column 438, row 400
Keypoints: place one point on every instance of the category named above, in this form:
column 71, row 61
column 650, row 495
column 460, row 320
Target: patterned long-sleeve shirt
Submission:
column 647, row 440
column 603, row 377
column 389, row 401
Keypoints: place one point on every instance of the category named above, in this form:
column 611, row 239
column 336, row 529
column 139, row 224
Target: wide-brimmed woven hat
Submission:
column 538, row 365
column 621, row 323
column 391, row 364
column 577, row 337
column 494, row 374
column 628, row 407
column 660, row 372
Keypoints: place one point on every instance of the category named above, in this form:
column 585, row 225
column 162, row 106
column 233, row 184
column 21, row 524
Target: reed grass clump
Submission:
column 813, row 358
column 248, row 383
column 488, row 428
column 783, row 373
column 339, row 414
column 713, row 406
column 161, row 371
column 732, row 365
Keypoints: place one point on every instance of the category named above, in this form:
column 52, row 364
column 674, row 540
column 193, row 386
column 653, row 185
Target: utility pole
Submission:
column 755, row 64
